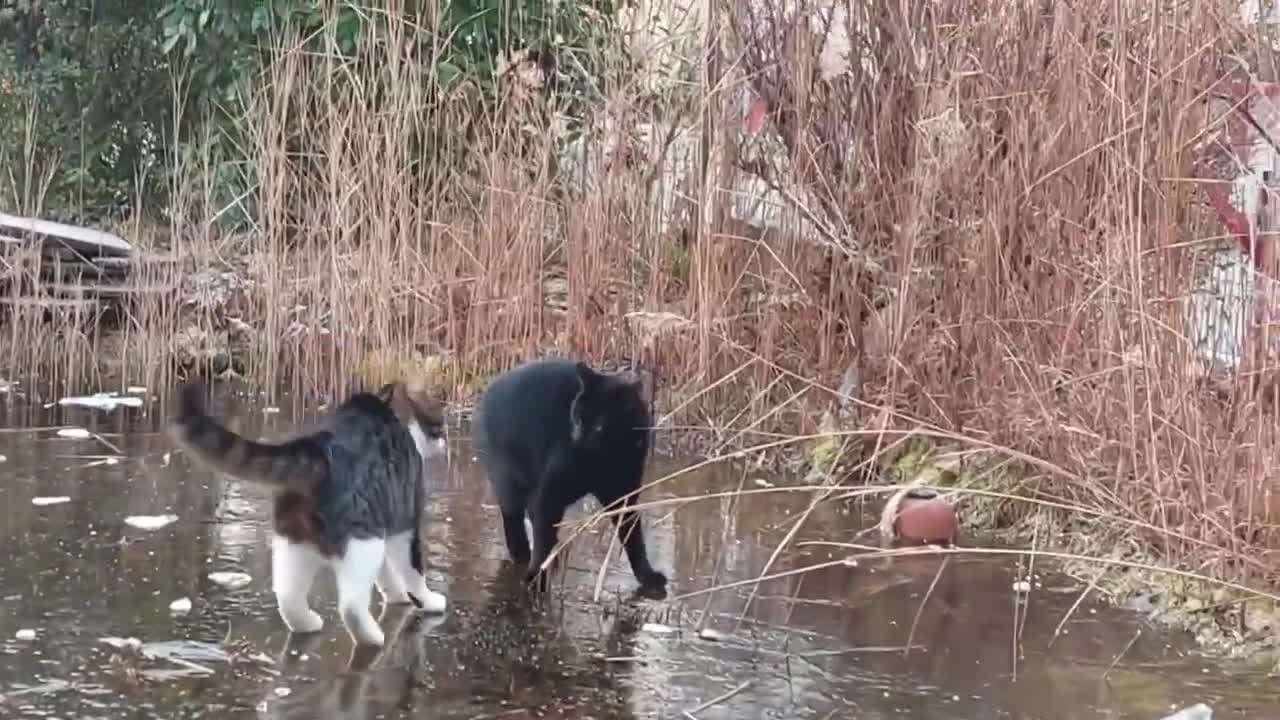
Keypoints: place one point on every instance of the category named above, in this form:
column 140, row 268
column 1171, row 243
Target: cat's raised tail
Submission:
column 295, row 465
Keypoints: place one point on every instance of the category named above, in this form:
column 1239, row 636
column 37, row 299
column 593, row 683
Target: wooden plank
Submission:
column 104, row 291
column 112, row 262
column 57, row 251
column 84, row 240
column 71, row 269
column 66, row 261
column 140, row 258
column 51, row 303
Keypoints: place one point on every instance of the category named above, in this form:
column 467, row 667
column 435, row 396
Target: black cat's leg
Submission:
column 517, row 540
column 545, row 513
column 512, row 500
column 631, row 535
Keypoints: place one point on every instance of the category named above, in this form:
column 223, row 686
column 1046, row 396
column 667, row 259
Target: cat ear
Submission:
column 575, row 409
column 639, row 380
column 647, row 377
column 586, row 375
column 387, row 392
column 631, row 378
column 415, row 393
column 430, row 409
column 426, row 405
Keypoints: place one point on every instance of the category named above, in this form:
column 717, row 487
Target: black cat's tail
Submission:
column 296, row 465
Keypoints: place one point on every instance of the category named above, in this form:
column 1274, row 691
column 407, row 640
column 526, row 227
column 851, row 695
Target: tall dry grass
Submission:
column 988, row 224
column 1016, row 203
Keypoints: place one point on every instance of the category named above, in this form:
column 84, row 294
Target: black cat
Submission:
column 551, row 432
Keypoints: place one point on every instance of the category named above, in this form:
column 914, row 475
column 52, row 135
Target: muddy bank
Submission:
column 1104, row 554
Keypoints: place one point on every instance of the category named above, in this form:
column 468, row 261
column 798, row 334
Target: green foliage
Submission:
column 221, row 42
column 84, row 100
column 100, row 82
column 480, row 32
column 219, row 36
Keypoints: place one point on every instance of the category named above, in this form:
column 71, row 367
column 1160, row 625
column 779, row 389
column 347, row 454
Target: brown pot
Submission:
column 925, row 519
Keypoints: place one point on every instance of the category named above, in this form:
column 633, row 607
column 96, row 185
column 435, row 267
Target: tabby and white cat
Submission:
column 349, row 495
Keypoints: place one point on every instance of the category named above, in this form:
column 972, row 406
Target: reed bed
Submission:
column 984, row 226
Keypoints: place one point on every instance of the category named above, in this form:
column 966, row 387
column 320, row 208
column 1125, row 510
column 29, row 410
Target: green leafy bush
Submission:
column 93, row 101
column 84, row 101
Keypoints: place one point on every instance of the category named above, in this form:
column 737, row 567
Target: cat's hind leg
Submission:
column 357, row 570
column 399, row 558
column 293, row 571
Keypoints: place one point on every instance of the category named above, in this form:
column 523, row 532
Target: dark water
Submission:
column 827, row 644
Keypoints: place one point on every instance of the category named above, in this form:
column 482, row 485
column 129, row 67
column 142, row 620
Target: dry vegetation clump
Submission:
column 979, row 218
column 1015, row 197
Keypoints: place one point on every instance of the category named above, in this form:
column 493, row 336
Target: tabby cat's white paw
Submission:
column 371, row 636
column 399, row 597
column 434, row 602
column 302, row 623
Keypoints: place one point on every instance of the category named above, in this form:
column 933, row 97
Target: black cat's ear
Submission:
column 586, row 375
column 631, row 378
column 638, row 380
column 648, row 379
column 575, row 409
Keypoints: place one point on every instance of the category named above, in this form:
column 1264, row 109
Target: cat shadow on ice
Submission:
column 375, row 683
